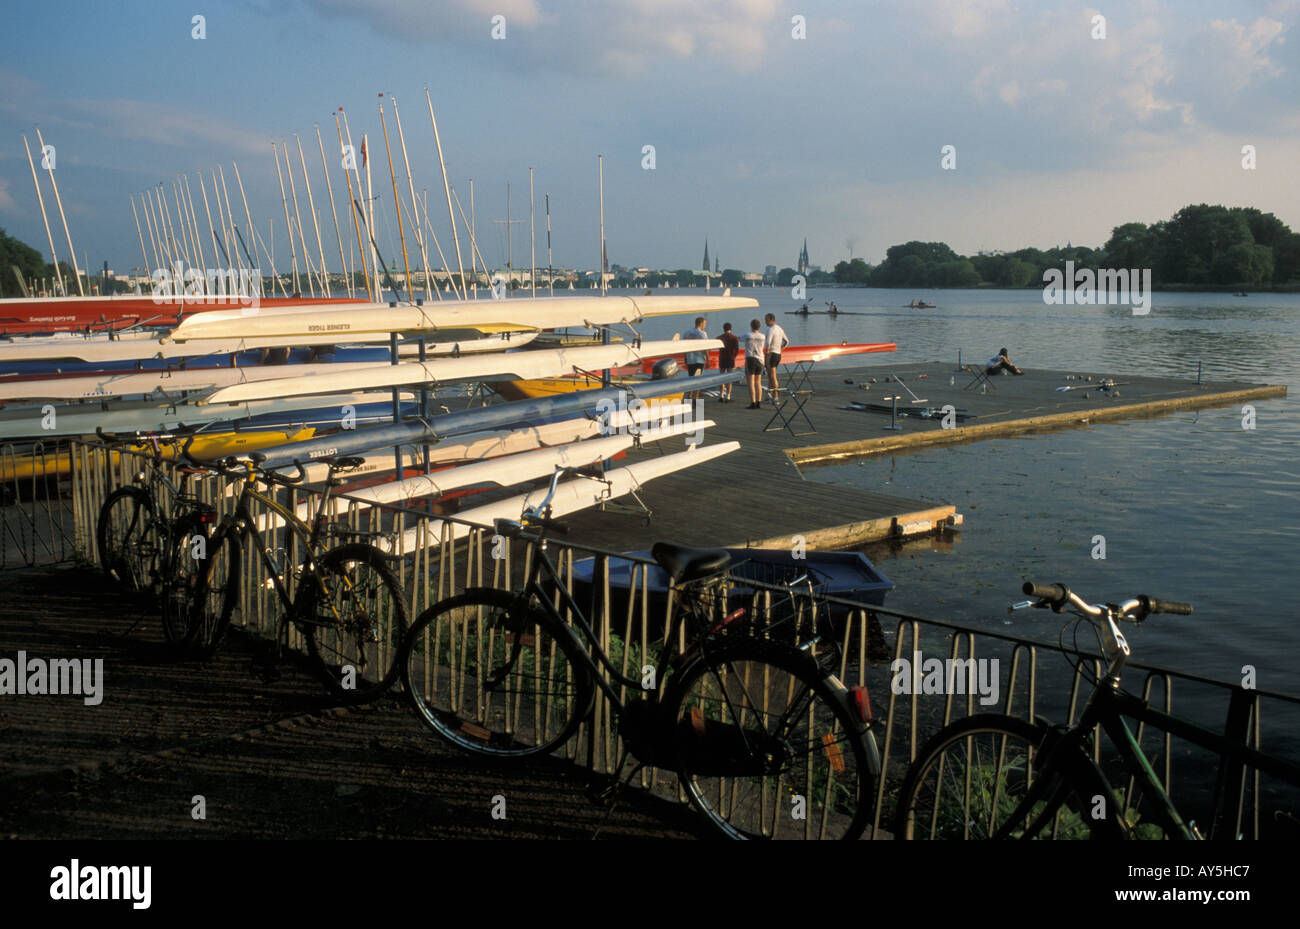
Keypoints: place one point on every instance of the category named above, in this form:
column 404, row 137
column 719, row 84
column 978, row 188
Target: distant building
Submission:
column 706, row 255
column 770, row 273
column 803, row 266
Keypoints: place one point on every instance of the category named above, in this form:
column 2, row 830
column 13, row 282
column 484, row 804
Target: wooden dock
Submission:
column 757, row 496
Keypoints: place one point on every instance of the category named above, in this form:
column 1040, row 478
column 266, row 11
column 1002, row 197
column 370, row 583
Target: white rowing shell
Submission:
column 133, row 347
column 482, row 315
column 570, row 497
column 512, row 366
column 241, row 384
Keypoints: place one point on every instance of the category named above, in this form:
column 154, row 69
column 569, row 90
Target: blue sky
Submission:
column 761, row 139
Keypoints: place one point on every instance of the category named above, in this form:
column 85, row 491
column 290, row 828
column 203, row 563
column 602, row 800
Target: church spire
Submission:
column 706, row 253
column 803, row 258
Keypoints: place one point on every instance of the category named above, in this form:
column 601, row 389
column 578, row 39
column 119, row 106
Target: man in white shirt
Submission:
column 695, row 361
column 776, row 343
column 754, row 349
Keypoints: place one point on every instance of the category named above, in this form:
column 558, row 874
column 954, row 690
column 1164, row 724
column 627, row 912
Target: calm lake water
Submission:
column 1192, row 506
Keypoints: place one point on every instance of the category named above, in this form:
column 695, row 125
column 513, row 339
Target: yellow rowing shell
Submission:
column 33, row 465
column 550, row 386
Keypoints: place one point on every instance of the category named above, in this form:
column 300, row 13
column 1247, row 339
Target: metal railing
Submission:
column 36, row 522
column 449, row 555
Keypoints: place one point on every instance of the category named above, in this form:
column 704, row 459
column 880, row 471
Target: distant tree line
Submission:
column 1202, row 245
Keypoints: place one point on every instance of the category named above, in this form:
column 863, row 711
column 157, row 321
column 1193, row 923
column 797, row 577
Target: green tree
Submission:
column 785, row 277
column 14, row 253
column 731, row 276
column 1015, row 273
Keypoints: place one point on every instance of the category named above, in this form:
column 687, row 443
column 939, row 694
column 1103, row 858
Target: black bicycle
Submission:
column 766, row 741
column 345, row 601
column 147, row 539
column 1000, row 777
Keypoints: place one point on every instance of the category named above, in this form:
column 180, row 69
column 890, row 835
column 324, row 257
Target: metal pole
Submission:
column 532, row 237
column 41, row 200
column 550, row 271
column 59, row 202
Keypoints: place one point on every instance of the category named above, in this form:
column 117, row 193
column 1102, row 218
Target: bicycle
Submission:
column 143, row 550
column 346, row 601
column 1001, row 777
column 765, row 740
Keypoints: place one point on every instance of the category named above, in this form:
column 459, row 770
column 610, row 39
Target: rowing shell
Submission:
column 482, row 316
column 510, row 366
column 147, row 346
column 478, row 446
column 570, row 497
column 241, row 384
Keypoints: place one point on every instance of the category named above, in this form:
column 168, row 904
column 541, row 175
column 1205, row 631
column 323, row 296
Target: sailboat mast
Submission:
column 311, row 203
column 446, row 187
column 59, row 202
column 361, row 248
column 600, row 163
column 284, row 202
column 41, row 200
column 329, row 189
column 415, row 204
column 293, row 195
column 532, row 237
column 473, row 231
column 140, row 235
column 550, row 270
column 397, row 201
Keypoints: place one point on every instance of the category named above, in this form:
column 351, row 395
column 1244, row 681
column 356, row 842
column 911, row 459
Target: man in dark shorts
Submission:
column 754, row 346
column 776, row 342
column 727, row 358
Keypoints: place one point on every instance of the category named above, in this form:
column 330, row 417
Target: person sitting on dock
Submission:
column 1001, row 362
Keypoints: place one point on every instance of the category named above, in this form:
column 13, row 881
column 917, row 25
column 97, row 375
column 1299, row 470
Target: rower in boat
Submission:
column 803, row 310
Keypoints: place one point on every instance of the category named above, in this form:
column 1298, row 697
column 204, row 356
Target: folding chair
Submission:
column 981, row 377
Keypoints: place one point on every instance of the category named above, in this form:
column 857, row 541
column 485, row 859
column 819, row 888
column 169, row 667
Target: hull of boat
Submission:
column 75, row 314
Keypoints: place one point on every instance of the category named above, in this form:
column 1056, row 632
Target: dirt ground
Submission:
column 269, row 759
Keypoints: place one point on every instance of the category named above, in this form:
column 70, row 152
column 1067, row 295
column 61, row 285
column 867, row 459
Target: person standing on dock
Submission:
column 727, row 358
column 695, row 361
column 755, row 344
column 776, row 343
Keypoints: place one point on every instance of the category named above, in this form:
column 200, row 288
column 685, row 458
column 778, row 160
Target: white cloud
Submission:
column 625, row 37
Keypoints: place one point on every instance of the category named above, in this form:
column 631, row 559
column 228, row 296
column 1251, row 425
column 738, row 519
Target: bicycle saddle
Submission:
column 689, row 564
column 343, row 462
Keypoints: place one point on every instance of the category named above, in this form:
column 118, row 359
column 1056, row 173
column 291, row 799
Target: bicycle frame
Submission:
column 245, row 524
column 596, row 655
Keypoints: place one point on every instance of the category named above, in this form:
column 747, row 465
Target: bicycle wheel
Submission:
column 216, row 592
column 181, row 576
column 494, row 677
column 767, row 747
column 127, row 535
column 354, row 622
column 971, row 776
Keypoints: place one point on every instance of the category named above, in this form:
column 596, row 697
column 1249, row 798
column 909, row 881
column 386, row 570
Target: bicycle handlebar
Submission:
column 1167, row 606
column 1058, row 595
